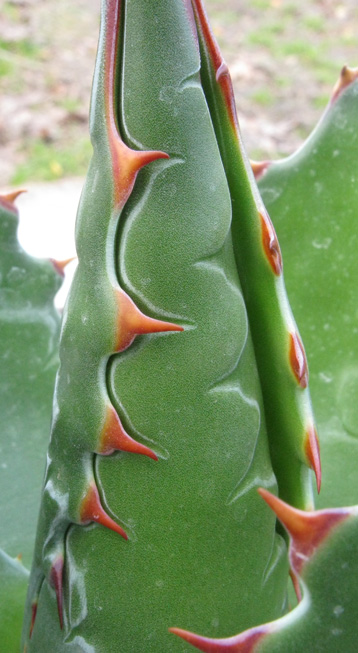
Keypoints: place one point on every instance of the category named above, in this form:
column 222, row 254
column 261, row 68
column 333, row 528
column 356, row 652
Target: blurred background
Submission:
column 284, row 55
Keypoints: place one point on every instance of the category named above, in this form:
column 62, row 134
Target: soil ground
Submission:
column 284, row 56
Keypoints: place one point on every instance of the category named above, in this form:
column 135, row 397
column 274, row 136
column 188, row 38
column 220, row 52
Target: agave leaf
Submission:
column 278, row 348
column 313, row 200
column 29, row 327
column 324, row 555
column 192, row 540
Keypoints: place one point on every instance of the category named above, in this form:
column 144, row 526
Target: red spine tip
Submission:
column 126, row 165
column 221, row 70
column 7, row 200
column 259, row 168
column 56, row 580
column 10, row 198
column 132, row 322
column 296, row 585
column 33, row 617
column 298, row 360
column 243, row 643
column 142, row 158
column 294, row 520
column 60, row 265
column 270, row 244
column 307, row 529
column 348, row 76
column 312, row 451
column 115, row 438
column 92, row 510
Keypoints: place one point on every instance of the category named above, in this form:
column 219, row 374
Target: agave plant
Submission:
column 181, row 406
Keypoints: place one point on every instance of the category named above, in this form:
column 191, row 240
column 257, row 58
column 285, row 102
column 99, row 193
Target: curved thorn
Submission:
column 133, row 322
column 141, row 158
column 347, row 77
column 298, row 360
column 11, row 197
column 8, row 199
column 312, row 451
column 115, row 438
column 307, row 529
column 56, row 580
column 126, row 165
column 243, row 643
column 60, row 265
column 92, row 510
column 259, row 168
column 270, row 243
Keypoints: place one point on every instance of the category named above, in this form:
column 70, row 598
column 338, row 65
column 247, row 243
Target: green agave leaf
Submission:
column 159, row 429
column 324, row 554
column 312, row 198
column 278, row 348
column 29, row 326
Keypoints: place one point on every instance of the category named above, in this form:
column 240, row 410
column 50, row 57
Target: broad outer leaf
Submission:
column 29, row 326
column 324, row 554
column 313, row 201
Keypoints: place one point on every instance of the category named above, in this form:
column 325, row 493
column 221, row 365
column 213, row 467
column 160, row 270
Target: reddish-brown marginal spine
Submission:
column 33, row 616
column 312, row 451
column 132, row 322
column 221, row 70
column 347, row 77
column 114, row 437
column 270, row 243
column 298, row 360
column 92, row 510
column 296, row 585
column 60, row 265
column 126, row 162
column 259, row 168
column 245, row 642
column 56, row 580
column 7, row 200
column 308, row 530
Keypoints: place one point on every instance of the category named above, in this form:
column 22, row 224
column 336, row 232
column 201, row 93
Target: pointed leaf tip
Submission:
column 92, row 510
column 307, row 529
column 312, row 450
column 243, row 643
column 56, row 580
